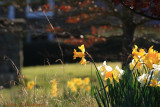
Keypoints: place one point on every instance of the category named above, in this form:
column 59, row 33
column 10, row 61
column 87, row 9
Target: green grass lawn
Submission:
column 42, row 75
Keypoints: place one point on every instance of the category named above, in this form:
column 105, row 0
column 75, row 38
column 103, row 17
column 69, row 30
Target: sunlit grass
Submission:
column 42, row 75
column 49, row 72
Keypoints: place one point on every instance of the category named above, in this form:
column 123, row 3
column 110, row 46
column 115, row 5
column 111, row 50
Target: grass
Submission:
column 42, row 75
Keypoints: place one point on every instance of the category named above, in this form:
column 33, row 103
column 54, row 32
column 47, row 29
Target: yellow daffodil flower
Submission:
column 151, row 57
column 86, row 81
column 78, row 84
column 30, row 85
column 109, row 75
column 116, row 74
column 83, row 61
column 88, row 88
column 80, row 54
column 148, row 59
column 107, row 89
column 54, row 88
column 153, row 83
column 138, row 54
column 70, row 84
column 74, row 89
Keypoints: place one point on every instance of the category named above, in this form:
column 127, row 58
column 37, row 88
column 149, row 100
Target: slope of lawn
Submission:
column 42, row 75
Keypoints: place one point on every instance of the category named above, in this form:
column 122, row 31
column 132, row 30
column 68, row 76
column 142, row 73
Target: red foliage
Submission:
column 93, row 29
column 81, row 17
column 74, row 19
column 56, row 6
column 84, row 3
column 88, row 42
column 65, row 8
column 99, row 30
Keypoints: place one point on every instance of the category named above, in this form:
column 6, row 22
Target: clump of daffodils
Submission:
column 54, row 88
column 142, row 58
column 30, row 85
column 151, row 61
column 110, row 73
column 78, row 83
column 152, row 78
column 80, row 54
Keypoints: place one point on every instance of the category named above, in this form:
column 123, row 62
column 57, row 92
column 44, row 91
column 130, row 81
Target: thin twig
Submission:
column 59, row 45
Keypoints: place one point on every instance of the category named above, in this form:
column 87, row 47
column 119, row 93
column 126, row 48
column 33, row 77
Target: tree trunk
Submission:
column 128, row 34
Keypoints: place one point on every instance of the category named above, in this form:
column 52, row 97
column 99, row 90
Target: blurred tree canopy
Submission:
column 83, row 17
column 86, row 16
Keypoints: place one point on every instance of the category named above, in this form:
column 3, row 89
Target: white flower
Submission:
column 144, row 79
column 104, row 68
column 136, row 64
column 156, row 67
column 156, row 71
column 104, row 63
column 102, row 73
column 118, row 72
column 158, row 83
column 99, row 68
column 108, row 68
column 132, row 64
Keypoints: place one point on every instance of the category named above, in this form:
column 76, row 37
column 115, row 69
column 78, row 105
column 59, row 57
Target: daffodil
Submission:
column 30, row 85
column 134, row 51
column 135, row 65
column 150, row 60
column 144, row 79
column 138, row 54
column 53, row 82
column 104, row 68
column 153, row 83
column 83, row 61
column 114, row 74
column 118, row 72
column 156, row 71
column 156, row 67
column 88, row 88
column 147, row 59
column 86, row 81
column 70, row 84
column 109, row 75
column 74, row 89
column 151, row 57
column 80, row 54
column 78, row 84
column 54, row 88
column 107, row 89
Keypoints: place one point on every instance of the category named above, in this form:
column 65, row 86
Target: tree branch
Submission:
column 139, row 13
column 143, row 21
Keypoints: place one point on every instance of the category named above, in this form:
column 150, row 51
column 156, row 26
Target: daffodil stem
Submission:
column 91, row 79
column 92, row 60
